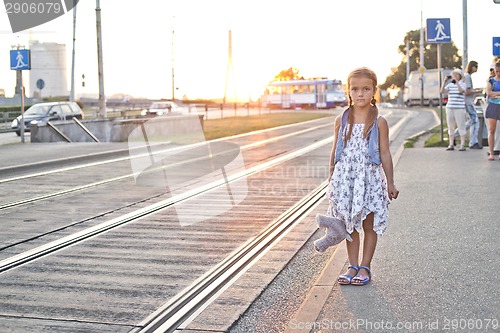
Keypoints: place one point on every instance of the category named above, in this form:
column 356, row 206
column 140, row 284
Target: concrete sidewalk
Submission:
column 436, row 268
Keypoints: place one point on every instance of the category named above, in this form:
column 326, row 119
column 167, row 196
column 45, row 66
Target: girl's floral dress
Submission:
column 358, row 187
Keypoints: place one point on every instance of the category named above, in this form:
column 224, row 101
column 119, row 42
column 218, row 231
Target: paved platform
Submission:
column 436, row 268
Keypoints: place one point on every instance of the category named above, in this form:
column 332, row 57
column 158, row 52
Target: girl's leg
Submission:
column 492, row 126
column 369, row 243
column 353, row 252
column 497, row 137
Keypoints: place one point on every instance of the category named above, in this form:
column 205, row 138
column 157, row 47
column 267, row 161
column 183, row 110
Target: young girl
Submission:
column 361, row 182
column 493, row 110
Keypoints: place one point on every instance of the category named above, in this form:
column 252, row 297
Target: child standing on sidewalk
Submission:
column 493, row 110
column 361, row 182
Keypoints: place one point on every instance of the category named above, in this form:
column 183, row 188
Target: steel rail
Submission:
column 72, row 239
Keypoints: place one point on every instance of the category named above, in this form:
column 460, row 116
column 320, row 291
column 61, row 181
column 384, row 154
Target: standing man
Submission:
column 470, row 69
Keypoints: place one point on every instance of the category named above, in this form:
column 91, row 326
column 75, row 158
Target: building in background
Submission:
column 48, row 63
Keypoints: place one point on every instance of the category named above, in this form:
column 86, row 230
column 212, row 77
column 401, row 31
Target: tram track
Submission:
column 59, row 244
column 27, row 256
column 62, row 228
column 127, row 176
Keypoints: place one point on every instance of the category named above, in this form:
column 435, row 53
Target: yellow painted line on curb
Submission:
column 318, row 294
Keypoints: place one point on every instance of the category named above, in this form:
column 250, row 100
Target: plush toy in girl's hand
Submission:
column 335, row 232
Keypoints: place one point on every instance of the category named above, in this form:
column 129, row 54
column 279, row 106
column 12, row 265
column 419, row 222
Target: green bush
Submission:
column 13, row 108
column 13, row 111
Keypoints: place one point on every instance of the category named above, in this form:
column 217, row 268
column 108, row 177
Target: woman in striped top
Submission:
column 455, row 86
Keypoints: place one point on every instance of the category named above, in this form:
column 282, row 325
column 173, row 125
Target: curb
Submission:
column 320, row 291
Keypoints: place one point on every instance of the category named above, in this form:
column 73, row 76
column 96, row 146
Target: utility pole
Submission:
column 465, row 56
column 422, row 63
column 230, row 68
column 173, row 80
column 72, row 94
column 407, row 56
column 102, row 100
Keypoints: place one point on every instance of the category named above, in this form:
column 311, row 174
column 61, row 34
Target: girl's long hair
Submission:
column 368, row 73
column 468, row 68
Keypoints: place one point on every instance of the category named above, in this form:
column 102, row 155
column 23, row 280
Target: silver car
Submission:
column 44, row 112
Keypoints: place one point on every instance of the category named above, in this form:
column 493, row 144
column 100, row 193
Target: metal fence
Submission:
column 6, row 120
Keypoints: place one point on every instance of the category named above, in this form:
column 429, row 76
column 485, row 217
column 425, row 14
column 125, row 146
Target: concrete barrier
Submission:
column 117, row 130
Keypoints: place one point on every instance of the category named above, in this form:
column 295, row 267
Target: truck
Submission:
column 429, row 78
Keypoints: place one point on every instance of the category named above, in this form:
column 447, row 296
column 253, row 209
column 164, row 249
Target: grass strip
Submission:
column 218, row 128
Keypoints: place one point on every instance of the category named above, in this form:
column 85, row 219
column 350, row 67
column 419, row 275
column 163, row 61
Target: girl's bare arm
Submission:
column 489, row 91
column 332, row 154
column 386, row 157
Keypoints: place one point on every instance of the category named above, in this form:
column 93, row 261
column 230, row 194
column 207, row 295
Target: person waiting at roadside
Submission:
column 361, row 180
column 493, row 110
column 454, row 86
column 496, row 149
column 470, row 69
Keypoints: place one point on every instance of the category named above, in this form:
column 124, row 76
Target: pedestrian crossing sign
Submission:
column 20, row 59
column 438, row 30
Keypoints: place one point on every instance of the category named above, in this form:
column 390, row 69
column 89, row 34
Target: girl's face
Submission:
column 497, row 72
column 361, row 91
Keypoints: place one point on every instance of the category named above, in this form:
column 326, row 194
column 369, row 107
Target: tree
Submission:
column 449, row 58
column 291, row 73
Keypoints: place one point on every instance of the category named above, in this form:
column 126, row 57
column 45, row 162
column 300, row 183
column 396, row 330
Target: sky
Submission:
column 321, row 38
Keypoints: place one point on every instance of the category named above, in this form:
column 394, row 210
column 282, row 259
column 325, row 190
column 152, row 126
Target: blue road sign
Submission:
column 438, row 30
column 40, row 84
column 496, row 46
column 20, row 59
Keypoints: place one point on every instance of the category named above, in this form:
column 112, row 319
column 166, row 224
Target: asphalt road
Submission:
column 11, row 137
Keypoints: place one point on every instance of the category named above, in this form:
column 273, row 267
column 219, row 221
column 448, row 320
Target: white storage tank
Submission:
column 48, row 63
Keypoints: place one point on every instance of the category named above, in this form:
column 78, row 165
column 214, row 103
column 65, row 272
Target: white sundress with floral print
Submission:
column 358, row 187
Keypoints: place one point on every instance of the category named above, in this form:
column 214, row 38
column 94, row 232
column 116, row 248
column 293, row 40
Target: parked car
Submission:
column 44, row 112
column 160, row 108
